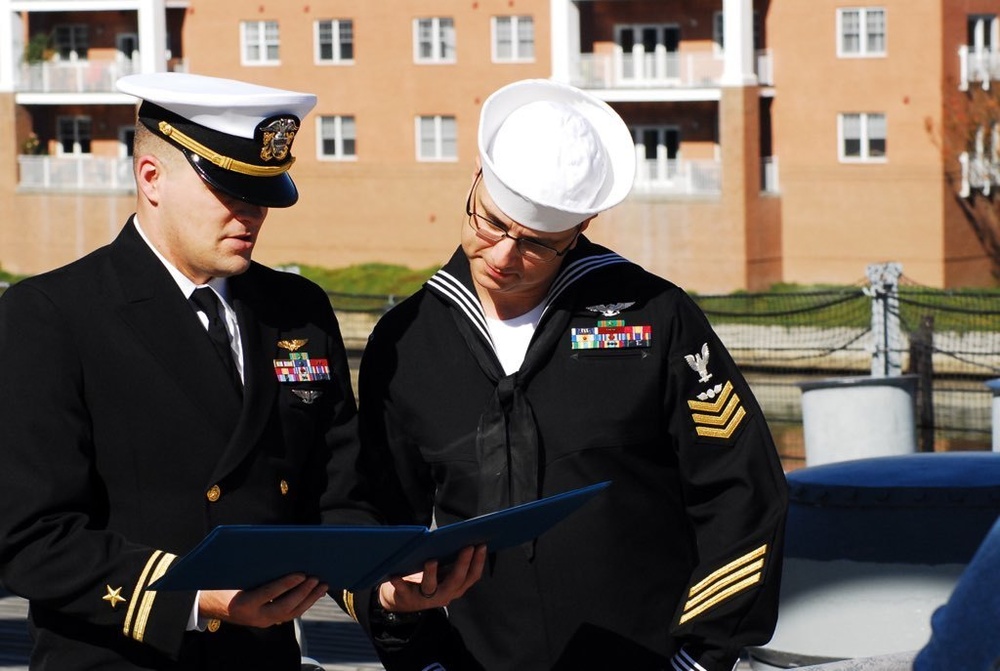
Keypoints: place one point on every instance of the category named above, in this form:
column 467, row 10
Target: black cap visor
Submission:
column 277, row 191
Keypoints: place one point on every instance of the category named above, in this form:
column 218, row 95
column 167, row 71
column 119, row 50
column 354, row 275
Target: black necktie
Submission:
column 208, row 302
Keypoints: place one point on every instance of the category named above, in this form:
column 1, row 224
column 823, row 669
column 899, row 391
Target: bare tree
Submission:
column 969, row 138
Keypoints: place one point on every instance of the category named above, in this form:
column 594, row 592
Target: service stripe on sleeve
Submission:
column 724, row 583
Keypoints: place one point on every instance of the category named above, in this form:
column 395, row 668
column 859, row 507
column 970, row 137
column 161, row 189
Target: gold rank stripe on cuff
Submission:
column 142, row 598
column 728, row 581
column 719, row 418
column 349, row 605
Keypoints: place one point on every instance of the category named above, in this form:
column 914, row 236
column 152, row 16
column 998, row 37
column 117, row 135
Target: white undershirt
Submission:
column 512, row 336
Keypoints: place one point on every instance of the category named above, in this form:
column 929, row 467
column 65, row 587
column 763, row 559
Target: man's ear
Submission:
column 149, row 174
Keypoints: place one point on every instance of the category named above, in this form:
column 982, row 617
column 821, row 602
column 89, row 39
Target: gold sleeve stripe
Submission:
column 716, row 405
column 725, row 581
column 725, row 432
column 224, row 162
column 732, row 591
column 349, row 604
column 729, row 568
column 139, row 587
column 718, row 420
column 150, row 596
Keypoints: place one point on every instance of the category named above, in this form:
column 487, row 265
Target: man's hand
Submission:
column 421, row 591
column 268, row 605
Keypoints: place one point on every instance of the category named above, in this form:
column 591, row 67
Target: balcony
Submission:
column 676, row 177
column 977, row 66
column 978, row 172
column 79, row 76
column 659, row 69
column 83, row 173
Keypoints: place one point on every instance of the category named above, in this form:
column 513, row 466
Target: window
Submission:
column 861, row 32
column 434, row 40
column 513, row 38
column 719, row 33
column 73, row 134
column 335, row 41
column 260, row 42
column 862, row 137
column 437, row 138
column 70, row 41
column 337, row 138
column 659, row 148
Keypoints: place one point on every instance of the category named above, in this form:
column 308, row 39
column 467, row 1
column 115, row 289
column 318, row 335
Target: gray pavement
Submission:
column 331, row 637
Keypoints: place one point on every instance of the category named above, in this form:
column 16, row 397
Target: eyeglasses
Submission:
column 493, row 232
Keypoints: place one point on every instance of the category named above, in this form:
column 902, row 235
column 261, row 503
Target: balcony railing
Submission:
column 84, row 173
column 977, row 66
column 678, row 177
column 659, row 69
column 80, row 76
column 978, row 172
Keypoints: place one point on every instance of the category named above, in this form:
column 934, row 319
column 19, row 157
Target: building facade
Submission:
column 776, row 140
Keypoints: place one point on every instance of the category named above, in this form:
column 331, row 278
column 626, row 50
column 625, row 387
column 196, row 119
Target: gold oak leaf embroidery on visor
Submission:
column 735, row 577
column 719, row 418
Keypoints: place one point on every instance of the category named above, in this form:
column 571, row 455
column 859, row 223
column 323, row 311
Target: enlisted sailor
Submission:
column 166, row 384
column 535, row 362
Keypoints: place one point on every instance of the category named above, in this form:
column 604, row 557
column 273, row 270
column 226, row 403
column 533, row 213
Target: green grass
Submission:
column 368, row 286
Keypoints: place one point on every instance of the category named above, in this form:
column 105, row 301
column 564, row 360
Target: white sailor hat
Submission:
column 237, row 136
column 553, row 156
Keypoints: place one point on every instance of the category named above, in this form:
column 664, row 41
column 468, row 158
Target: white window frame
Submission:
column 77, row 120
column 865, row 139
column 439, row 121
column 337, row 137
column 515, row 24
column 438, row 40
column 335, row 42
column 864, row 51
column 262, row 45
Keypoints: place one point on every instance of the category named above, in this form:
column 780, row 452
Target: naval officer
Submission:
column 166, row 384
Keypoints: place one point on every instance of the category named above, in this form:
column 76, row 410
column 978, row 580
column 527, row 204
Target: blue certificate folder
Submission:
column 356, row 557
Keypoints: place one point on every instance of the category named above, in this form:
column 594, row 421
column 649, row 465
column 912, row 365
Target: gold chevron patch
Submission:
column 725, row 583
column 719, row 418
column 141, row 604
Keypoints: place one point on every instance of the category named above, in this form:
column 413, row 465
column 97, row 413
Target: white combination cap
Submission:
column 553, row 156
column 236, row 135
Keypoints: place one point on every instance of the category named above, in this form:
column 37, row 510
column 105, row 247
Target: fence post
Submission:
column 884, row 292
column 922, row 365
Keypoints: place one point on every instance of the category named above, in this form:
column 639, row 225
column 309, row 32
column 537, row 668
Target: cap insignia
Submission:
column 277, row 137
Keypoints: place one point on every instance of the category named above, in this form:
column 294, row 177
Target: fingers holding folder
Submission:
column 435, row 586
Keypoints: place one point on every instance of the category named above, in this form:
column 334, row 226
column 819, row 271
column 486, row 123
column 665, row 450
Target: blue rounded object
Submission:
column 932, row 508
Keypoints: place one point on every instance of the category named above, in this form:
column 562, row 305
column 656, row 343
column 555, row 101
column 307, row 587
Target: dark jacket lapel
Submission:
column 163, row 321
column 260, row 384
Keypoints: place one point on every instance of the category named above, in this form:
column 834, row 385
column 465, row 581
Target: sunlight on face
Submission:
column 206, row 233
